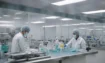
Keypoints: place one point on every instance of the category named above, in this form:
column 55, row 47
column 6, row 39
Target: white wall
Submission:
column 50, row 33
column 36, row 31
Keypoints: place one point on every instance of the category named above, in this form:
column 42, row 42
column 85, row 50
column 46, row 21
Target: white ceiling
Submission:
column 77, row 8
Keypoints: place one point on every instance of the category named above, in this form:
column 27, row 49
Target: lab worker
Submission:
column 77, row 42
column 19, row 45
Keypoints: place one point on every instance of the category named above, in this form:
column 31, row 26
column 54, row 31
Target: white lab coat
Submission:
column 19, row 44
column 77, row 44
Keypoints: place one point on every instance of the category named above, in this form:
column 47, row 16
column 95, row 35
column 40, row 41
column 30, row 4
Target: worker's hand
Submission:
column 65, row 46
column 34, row 51
column 28, row 52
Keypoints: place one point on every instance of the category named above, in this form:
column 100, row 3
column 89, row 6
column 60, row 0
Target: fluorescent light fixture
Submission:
column 6, row 15
column 6, row 22
column 98, row 29
column 17, row 18
column 93, row 12
column 86, row 23
column 6, row 25
column 38, row 22
column 65, row 2
column 65, row 25
column 75, row 24
column 51, row 26
column 83, row 23
column 82, row 28
column 52, row 17
column 66, row 19
column 3, row 33
column 18, row 13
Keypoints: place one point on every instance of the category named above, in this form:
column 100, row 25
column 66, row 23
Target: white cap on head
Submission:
column 25, row 28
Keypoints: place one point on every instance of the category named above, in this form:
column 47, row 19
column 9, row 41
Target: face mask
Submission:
column 25, row 35
column 74, row 36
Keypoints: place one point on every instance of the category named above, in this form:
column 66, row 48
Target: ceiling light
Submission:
column 3, row 33
column 18, row 13
column 6, row 15
column 38, row 22
column 7, row 25
column 66, row 19
column 17, row 18
column 75, row 24
column 49, row 26
column 83, row 23
column 65, row 2
column 98, row 29
column 93, row 12
column 52, row 17
column 0, row 17
column 82, row 28
column 65, row 25
column 86, row 23
column 6, row 22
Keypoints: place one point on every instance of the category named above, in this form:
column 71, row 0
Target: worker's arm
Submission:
column 69, row 43
column 23, row 45
column 83, row 44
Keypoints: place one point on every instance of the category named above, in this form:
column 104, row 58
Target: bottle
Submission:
column 61, row 46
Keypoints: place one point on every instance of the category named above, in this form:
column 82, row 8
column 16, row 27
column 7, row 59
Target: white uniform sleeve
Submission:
column 69, row 43
column 23, row 45
column 83, row 44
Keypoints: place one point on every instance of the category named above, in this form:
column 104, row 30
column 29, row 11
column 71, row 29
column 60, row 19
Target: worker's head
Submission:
column 76, row 34
column 25, row 30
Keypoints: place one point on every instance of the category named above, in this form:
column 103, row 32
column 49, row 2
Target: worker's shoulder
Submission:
column 81, row 38
column 18, row 35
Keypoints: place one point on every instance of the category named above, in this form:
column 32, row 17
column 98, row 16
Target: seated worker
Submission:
column 19, row 45
column 77, row 42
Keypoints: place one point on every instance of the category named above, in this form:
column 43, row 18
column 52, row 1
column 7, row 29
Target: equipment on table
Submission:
column 22, row 57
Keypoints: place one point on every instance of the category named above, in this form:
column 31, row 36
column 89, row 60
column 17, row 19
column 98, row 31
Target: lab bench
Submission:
column 68, row 57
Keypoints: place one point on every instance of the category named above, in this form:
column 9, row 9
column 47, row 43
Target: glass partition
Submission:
column 48, row 27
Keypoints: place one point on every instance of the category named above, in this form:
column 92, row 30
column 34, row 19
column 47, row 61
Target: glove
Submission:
column 65, row 46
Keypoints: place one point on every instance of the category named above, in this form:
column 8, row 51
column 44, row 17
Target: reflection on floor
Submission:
column 3, row 60
column 100, row 57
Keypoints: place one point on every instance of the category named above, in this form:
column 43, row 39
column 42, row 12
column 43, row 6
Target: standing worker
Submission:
column 19, row 44
column 77, row 42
